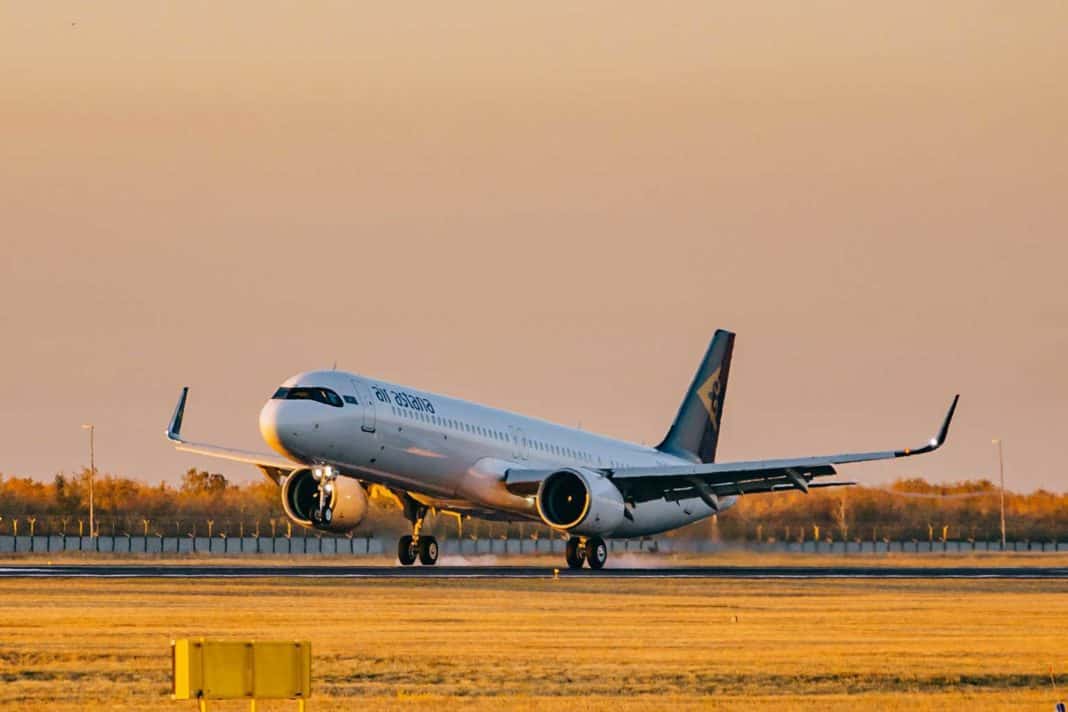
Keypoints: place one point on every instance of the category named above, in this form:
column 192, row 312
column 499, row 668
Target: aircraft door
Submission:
column 517, row 442
column 367, row 402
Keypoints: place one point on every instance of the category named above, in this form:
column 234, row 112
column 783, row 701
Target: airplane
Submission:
column 335, row 433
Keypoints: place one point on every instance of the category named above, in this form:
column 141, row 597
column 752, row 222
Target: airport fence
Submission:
column 377, row 546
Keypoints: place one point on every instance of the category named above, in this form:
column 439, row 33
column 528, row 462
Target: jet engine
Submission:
column 580, row 501
column 318, row 497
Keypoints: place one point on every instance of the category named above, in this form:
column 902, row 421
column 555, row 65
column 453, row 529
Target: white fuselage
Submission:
column 449, row 453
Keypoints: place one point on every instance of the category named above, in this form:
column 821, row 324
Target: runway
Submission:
column 207, row 571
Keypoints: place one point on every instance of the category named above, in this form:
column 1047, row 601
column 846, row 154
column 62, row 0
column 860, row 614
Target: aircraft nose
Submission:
column 275, row 428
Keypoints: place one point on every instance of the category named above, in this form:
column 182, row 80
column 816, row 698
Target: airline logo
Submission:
column 709, row 393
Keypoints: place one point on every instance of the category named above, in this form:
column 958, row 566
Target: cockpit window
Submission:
column 319, row 395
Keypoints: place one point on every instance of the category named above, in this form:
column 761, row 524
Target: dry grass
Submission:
column 545, row 646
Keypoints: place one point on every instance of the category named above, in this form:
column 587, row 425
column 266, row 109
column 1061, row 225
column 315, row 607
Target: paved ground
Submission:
column 719, row 572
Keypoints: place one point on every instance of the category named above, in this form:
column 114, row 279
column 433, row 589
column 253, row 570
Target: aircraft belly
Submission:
column 483, row 484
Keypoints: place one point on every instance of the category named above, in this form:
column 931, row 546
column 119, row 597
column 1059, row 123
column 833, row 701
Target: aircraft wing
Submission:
column 710, row 481
column 271, row 465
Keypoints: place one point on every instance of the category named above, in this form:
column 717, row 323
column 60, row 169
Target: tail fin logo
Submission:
column 709, row 393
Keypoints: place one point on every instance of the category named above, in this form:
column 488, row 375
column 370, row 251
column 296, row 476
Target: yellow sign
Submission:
column 227, row 670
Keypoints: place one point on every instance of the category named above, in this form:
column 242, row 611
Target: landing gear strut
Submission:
column 323, row 514
column 593, row 551
column 410, row 548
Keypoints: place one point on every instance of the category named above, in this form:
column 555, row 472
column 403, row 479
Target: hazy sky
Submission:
column 547, row 207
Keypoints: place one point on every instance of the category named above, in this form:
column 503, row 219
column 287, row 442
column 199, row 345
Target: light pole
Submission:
column 1001, row 470
column 92, row 473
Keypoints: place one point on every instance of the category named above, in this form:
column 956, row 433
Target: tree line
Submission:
column 207, row 504
column 909, row 509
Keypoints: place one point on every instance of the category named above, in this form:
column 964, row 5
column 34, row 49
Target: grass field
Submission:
column 546, row 646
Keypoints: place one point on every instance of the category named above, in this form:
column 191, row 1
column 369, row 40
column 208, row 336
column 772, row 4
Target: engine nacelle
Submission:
column 300, row 499
column 580, row 501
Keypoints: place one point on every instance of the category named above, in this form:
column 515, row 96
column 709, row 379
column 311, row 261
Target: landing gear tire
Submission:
column 406, row 553
column 596, row 552
column 428, row 550
column 575, row 553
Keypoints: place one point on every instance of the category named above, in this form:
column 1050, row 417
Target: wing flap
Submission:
column 722, row 484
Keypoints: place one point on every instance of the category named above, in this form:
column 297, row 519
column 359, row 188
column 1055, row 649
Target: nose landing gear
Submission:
column 410, row 548
column 593, row 551
column 325, row 476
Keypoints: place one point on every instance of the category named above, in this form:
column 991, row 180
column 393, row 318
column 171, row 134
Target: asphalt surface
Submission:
column 208, row 571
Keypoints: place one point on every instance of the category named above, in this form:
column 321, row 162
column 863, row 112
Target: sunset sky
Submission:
column 547, row 207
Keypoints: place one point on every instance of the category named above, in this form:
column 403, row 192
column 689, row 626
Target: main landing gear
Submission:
column 593, row 551
column 425, row 548
column 410, row 548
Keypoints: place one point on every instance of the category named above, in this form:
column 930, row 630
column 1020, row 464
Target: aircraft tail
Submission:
column 695, row 432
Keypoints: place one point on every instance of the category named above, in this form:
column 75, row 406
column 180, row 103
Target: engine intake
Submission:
column 580, row 501
column 346, row 503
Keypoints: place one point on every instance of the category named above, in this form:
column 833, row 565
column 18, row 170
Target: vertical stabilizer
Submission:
column 695, row 432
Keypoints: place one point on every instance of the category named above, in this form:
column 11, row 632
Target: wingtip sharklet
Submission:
column 174, row 430
column 938, row 440
column 943, row 433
